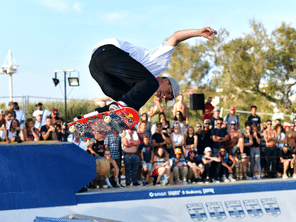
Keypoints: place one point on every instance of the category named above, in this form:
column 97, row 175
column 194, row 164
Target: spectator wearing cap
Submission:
column 11, row 109
column 206, row 139
column 209, row 110
column 212, row 165
column 232, row 117
column 38, row 120
column 287, row 161
column 3, row 130
column 55, row 116
column 45, row 113
column 254, row 118
column 219, row 136
column 195, row 166
column 19, row 115
column 180, row 169
column 215, row 117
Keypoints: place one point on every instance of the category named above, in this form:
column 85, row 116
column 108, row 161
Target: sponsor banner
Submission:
column 235, row 209
column 253, row 208
column 197, row 212
column 216, row 211
column 271, row 207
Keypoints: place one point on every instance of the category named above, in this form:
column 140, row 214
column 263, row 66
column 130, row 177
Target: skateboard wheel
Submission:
column 87, row 143
column 107, row 119
column 81, row 134
column 122, row 134
column 72, row 129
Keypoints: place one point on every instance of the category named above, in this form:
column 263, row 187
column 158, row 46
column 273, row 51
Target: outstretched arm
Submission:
column 182, row 35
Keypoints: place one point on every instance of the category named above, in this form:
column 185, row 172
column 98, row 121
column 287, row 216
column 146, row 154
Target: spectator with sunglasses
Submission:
column 271, row 150
column 219, row 136
column 161, row 139
column 206, row 140
column 227, row 164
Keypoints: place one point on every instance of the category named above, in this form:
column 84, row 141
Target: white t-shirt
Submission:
column 20, row 116
column 45, row 114
column 80, row 143
column 2, row 134
column 155, row 60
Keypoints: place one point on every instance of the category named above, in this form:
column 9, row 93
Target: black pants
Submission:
column 271, row 155
column 212, row 170
column 121, row 77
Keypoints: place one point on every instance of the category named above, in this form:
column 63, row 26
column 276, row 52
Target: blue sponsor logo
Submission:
column 197, row 212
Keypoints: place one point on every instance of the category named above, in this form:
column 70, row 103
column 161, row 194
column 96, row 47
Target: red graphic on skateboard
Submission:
column 104, row 123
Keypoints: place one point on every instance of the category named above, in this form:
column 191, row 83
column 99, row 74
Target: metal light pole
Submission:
column 10, row 69
column 56, row 82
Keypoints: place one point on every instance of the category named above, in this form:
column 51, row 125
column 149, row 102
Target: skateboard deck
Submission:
column 104, row 123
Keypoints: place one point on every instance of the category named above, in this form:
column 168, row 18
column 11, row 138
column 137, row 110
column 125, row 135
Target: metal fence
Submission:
column 24, row 101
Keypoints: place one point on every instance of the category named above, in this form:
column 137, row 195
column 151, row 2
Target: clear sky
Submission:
column 46, row 35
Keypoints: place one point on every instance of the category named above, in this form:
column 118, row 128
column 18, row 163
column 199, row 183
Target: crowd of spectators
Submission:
column 161, row 151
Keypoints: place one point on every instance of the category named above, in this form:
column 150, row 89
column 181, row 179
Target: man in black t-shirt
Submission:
column 254, row 118
column 48, row 132
column 159, row 138
column 287, row 160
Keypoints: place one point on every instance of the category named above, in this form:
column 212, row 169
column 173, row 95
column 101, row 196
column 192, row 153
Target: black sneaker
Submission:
column 115, row 105
column 196, row 180
column 158, row 184
column 136, row 184
column 102, row 109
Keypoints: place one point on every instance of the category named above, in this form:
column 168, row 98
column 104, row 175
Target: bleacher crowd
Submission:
column 160, row 151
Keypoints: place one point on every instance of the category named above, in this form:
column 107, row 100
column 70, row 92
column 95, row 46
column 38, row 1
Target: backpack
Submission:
column 227, row 117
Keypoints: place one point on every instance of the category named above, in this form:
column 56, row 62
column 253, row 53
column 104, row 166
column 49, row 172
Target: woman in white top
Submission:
column 15, row 133
column 280, row 136
column 161, row 166
column 179, row 118
column 177, row 138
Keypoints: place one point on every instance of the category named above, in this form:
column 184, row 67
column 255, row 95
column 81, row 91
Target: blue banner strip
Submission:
column 171, row 192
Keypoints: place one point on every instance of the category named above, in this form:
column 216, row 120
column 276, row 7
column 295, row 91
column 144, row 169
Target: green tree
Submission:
column 257, row 68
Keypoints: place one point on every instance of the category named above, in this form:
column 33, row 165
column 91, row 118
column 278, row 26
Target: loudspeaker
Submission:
column 197, row 101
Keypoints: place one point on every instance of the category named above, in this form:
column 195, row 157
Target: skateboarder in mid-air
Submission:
column 131, row 75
